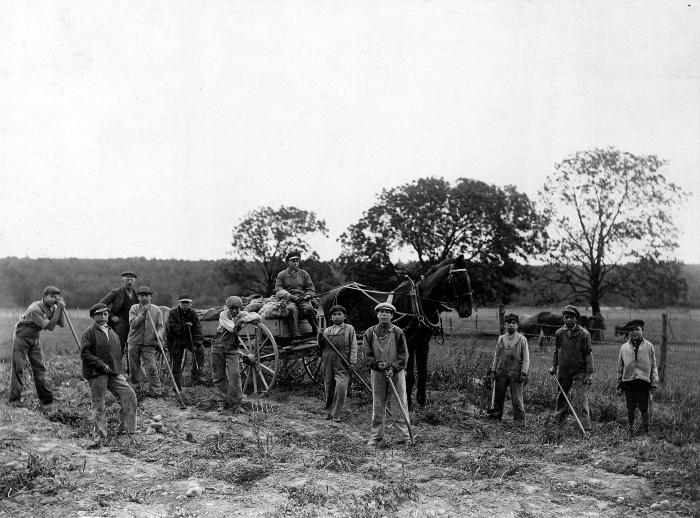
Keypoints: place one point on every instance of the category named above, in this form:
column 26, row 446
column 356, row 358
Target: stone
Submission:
column 194, row 491
column 663, row 505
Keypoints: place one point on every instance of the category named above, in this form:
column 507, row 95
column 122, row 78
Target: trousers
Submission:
column 381, row 392
column 147, row 353
column 178, row 354
column 226, row 374
column 335, row 382
column 24, row 347
column 578, row 395
column 503, row 381
column 120, row 389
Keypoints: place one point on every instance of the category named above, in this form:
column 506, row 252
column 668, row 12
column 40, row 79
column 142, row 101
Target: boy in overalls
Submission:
column 335, row 372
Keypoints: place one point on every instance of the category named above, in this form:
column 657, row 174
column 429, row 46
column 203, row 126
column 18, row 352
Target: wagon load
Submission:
column 268, row 308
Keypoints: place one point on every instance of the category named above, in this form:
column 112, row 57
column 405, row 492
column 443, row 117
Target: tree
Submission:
column 608, row 208
column 490, row 225
column 265, row 235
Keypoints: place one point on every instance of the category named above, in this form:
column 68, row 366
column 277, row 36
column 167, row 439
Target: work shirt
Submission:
column 344, row 339
column 100, row 347
column 141, row 331
column 297, row 282
column 512, row 356
column 36, row 318
column 228, row 328
column 573, row 353
column 385, row 346
column 641, row 366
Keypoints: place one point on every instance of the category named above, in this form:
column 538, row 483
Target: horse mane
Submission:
column 437, row 266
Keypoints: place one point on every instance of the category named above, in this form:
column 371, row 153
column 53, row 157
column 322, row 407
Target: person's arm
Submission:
column 587, row 350
column 654, row 374
column 57, row 313
column 309, row 289
column 369, row 351
column 196, row 331
column 87, row 352
column 279, row 282
column 497, row 354
column 352, row 338
column 620, row 367
column 555, row 356
column 226, row 322
column 525, row 357
column 137, row 315
column 401, row 351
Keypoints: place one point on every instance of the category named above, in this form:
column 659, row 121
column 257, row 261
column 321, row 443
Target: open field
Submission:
column 282, row 459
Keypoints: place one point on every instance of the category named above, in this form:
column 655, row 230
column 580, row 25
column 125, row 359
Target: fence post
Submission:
column 664, row 347
column 501, row 319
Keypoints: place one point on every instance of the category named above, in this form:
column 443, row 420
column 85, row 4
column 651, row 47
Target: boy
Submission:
column 143, row 339
column 335, row 372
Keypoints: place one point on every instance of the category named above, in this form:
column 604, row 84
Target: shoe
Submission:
column 221, row 407
column 373, row 442
column 328, row 417
column 338, row 419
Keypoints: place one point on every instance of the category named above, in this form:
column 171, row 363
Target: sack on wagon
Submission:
column 255, row 304
column 209, row 314
column 274, row 308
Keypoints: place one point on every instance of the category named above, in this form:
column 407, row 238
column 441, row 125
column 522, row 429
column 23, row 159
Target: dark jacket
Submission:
column 573, row 354
column 178, row 337
column 119, row 302
column 97, row 351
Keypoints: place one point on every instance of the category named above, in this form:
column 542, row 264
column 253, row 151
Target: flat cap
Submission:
column 571, row 310
column 50, row 290
column 634, row 323
column 512, row 316
column 385, row 305
column 129, row 274
column 338, row 307
column 98, row 308
column 234, row 302
column 294, row 254
column 184, row 297
column 144, row 289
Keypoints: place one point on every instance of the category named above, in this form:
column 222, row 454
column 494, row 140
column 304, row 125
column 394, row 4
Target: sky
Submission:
column 139, row 128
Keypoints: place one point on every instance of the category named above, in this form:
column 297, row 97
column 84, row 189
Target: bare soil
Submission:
column 281, row 458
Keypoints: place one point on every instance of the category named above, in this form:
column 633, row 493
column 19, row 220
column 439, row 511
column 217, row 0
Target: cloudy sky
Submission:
column 150, row 128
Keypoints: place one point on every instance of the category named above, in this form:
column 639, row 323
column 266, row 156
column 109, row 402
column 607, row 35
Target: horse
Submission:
column 545, row 323
column 418, row 306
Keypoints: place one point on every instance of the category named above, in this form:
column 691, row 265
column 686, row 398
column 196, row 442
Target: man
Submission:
column 335, row 372
column 573, row 365
column 119, row 301
column 224, row 354
column 101, row 355
column 185, row 332
column 511, row 363
column 386, row 352
column 42, row 314
column 143, row 340
column 637, row 375
column 295, row 284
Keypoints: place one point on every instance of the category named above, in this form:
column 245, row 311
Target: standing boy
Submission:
column 143, row 340
column 335, row 371
column 42, row 314
column 185, row 332
column 101, row 355
column 511, row 363
column 637, row 375
column 386, row 351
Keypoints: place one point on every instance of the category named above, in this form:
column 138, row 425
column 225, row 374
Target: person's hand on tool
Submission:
column 588, row 379
column 107, row 369
column 491, row 374
column 60, row 302
column 619, row 389
column 114, row 319
column 144, row 310
column 523, row 379
column 188, row 324
column 381, row 366
column 552, row 370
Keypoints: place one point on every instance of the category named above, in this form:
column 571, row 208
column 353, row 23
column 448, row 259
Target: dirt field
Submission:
column 281, row 458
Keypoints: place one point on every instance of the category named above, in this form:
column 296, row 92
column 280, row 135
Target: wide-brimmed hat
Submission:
column 384, row 305
column 144, row 289
column 98, row 308
column 572, row 310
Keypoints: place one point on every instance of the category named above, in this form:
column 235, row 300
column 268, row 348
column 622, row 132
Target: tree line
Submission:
column 600, row 229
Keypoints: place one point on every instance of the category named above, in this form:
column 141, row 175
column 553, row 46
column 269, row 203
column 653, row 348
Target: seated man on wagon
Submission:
column 295, row 284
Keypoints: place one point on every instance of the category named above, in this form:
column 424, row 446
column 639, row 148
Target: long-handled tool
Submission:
column 72, row 329
column 387, row 373
column 493, row 392
column 167, row 362
column 192, row 348
column 585, row 433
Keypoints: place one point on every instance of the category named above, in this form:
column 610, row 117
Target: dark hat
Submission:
column 634, row 323
column 512, row 316
column 338, row 307
column 129, row 274
column 98, row 308
column 234, row 302
column 144, row 289
column 184, row 298
column 572, row 310
column 294, row 254
column 50, row 290
column 385, row 305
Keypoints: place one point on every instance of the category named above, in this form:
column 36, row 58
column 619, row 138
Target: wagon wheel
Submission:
column 313, row 365
column 259, row 360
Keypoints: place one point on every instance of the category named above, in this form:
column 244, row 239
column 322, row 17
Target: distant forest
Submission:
column 85, row 281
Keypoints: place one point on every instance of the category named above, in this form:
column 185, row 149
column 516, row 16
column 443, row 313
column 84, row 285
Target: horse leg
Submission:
column 410, row 375
column 421, row 354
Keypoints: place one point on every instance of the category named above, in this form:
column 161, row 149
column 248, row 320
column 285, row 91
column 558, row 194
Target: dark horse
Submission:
column 418, row 306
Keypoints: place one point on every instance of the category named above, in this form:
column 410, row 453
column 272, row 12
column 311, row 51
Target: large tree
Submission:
column 492, row 226
column 609, row 209
column 264, row 236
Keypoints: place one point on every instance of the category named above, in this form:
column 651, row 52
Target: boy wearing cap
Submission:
column 335, row 372
column 295, row 283
column 511, row 363
column 185, row 332
column 637, row 375
column 386, row 352
column 119, row 301
column 101, row 355
column 226, row 372
column 573, row 365
column 143, row 339
column 42, row 314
